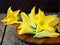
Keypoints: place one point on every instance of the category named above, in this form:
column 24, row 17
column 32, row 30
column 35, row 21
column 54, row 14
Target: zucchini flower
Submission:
column 12, row 17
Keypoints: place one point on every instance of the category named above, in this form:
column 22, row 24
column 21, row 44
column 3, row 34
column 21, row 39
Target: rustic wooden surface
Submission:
column 1, row 26
column 10, row 37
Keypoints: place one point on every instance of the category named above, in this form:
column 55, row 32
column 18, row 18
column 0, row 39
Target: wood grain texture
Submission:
column 10, row 38
column 1, row 26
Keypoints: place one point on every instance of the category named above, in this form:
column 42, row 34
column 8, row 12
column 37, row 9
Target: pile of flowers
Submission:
column 39, row 25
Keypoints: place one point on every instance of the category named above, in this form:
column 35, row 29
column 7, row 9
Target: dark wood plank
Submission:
column 1, row 26
column 10, row 38
column 1, row 30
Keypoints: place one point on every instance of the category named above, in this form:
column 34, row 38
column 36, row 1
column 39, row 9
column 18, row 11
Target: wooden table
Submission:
column 7, row 36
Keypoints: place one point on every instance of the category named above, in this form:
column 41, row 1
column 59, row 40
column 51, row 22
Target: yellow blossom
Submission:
column 34, row 23
column 39, row 17
column 32, row 14
column 12, row 17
